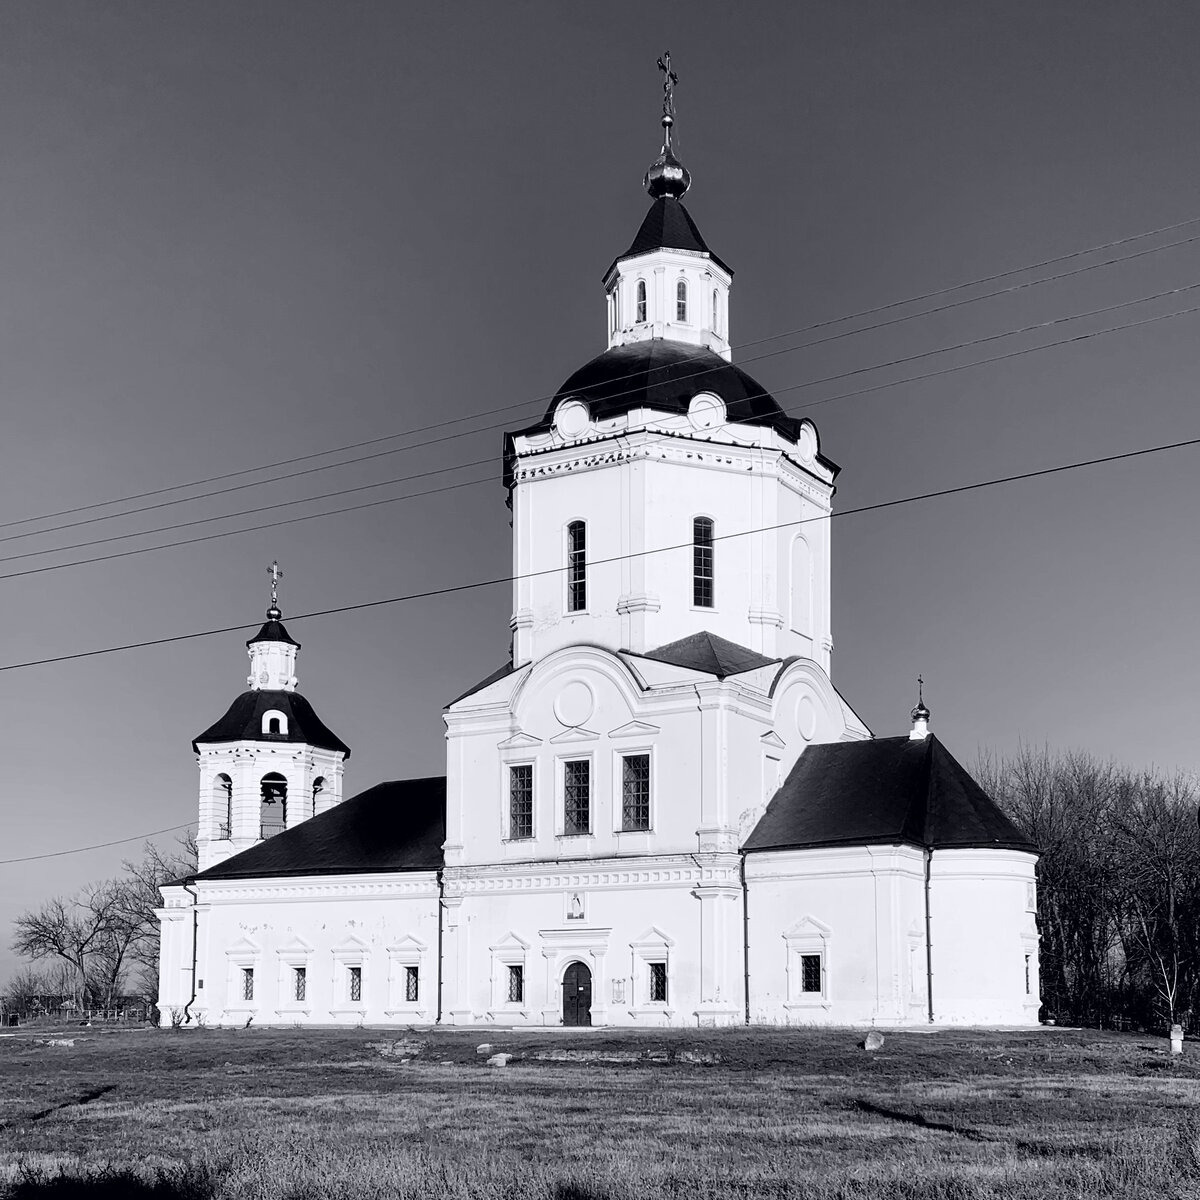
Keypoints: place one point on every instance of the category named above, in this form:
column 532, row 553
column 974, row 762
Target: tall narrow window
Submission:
column 412, row 984
column 635, row 792
column 681, row 300
column 658, row 983
column 641, row 301
column 716, row 317
column 355, row 983
column 247, row 983
column 223, row 805
column 272, row 807
column 810, row 972
column 318, row 788
column 576, row 566
column 299, row 983
column 516, row 985
column 520, row 801
column 1028, row 975
column 577, row 797
column 702, row 562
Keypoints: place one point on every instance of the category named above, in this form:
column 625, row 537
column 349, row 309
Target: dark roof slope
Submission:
column 886, row 791
column 707, row 652
column 273, row 631
column 668, row 225
column 243, row 722
column 397, row 826
column 486, row 681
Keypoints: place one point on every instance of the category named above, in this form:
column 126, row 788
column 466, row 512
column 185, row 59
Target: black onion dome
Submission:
column 243, row 722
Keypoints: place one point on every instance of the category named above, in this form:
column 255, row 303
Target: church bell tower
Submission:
column 269, row 762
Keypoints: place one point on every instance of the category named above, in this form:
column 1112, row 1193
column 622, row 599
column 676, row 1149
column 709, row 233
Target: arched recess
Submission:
column 274, row 722
column 272, row 808
column 802, row 606
column 593, row 664
column 223, row 805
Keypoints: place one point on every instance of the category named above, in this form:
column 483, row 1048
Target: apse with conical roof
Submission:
column 665, row 493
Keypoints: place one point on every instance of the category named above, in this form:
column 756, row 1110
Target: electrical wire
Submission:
column 475, row 585
column 5, row 862
column 544, row 399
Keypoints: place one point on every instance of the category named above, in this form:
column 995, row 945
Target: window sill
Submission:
column 817, row 1001
column 293, row 1012
column 653, row 1009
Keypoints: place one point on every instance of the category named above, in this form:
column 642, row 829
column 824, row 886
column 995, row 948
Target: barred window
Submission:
column 810, row 972
column 658, row 983
column 635, row 792
column 1028, row 975
column 576, row 566
column 641, row 301
column 520, row 801
column 355, row 984
column 299, row 983
column 702, row 562
column 412, row 980
column 681, row 301
column 577, row 797
column 247, row 983
column 516, row 985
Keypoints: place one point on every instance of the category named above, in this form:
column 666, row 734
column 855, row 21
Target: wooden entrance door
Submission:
column 577, row 995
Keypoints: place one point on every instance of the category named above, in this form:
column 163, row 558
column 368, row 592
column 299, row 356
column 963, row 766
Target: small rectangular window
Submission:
column 299, row 983
column 702, row 562
column 355, row 984
column 810, row 973
column 247, row 983
column 520, row 801
column 516, row 985
column 1028, row 975
column 658, row 983
column 576, row 567
column 411, row 984
column 635, row 792
column 577, row 797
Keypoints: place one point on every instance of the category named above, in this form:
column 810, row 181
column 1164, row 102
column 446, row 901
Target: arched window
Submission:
column 318, row 788
column 702, row 562
column 274, row 722
column 272, row 809
column 681, row 300
column 576, row 566
column 716, row 312
column 641, row 301
column 223, row 805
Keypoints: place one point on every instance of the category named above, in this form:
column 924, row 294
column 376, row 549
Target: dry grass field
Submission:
column 594, row 1115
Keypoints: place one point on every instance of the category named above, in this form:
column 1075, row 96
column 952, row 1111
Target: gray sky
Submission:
column 236, row 233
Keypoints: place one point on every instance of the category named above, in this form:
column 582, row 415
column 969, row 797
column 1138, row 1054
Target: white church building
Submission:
column 660, row 811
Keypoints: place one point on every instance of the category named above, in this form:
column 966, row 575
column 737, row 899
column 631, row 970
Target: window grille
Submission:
column 516, row 985
column 810, row 972
column 702, row 562
column 577, row 797
column 520, row 801
column 1028, row 976
column 576, row 566
column 247, row 983
column 412, row 981
column 300, row 983
column 681, row 301
column 641, row 301
column 658, row 983
column 635, row 792
column 355, row 984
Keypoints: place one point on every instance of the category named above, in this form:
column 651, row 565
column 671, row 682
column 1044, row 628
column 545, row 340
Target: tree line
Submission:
column 1118, row 885
column 101, row 944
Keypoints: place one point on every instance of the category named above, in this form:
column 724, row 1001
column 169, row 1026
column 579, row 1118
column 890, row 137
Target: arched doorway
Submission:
column 577, row 995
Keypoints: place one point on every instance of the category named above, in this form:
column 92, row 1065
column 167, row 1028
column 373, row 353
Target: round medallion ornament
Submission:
column 574, row 704
column 806, row 443
column 806, row 718
column 572, row 419
column 263, row 678
column 706, row 411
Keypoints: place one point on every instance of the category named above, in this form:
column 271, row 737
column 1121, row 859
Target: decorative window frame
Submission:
column 1031, row 999
column 408, row 951
column 632, row 839
column 682, row 280
column 712, row 547
column 274, row 714
column 507, row 764
column 560, row 796
column 241, row 955
column 351, row 953
column 807, row 936
column 568, row 611
column 641, row 303
column 510, row 951
column 918, row 967
column 297, row 953
column 653, row 946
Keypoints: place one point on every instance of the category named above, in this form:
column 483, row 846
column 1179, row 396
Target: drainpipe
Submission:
column 441, row 921
column 187, row 887
column 928, row 938
column 746, row 936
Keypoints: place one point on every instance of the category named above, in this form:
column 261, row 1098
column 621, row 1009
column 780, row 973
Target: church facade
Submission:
column 660, row 811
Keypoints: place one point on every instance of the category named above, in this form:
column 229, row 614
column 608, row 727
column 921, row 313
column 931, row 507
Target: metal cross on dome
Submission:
column 670, row 79
column 276, row 575
column 920, row 690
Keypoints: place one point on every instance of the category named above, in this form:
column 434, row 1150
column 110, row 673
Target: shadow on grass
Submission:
column 111, row 1185
column 893, row 1114
column 86, row 1098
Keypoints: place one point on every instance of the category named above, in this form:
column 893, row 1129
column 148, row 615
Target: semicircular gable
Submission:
column 585, row 689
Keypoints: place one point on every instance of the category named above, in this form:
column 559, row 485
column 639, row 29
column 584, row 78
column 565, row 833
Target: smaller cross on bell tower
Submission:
column 920, row 715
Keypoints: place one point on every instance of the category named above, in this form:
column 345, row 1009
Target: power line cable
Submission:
column 4, row 862
column 475, row 482
column 509, row 579
column 543, row 399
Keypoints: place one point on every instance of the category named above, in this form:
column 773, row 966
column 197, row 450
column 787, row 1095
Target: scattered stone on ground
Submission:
column 402, row 1048
column 659, row 1056
column 586, row 1056
column 486, row 1048
column 703, row 1057
column 59, row 1042
column 873, row 1041
column 499, row 1060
